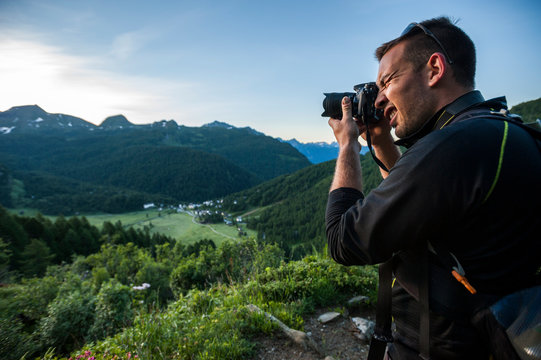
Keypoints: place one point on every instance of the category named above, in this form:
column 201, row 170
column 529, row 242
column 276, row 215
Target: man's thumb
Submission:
column 346, row 107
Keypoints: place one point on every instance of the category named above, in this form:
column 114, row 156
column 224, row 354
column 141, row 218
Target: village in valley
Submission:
column 207, row 212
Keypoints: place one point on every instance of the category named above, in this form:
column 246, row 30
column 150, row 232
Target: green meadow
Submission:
column 180, row 226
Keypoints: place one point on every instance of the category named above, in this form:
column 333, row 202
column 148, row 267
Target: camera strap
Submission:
column 369, row 143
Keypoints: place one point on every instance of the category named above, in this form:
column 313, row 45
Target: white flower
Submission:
column 142, row 287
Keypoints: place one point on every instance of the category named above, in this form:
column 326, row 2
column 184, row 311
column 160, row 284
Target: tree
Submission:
column 13, row 234
column 35, row 258
column 5, row 255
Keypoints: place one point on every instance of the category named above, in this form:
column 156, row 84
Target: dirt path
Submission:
column 210, row 227
column 337, row 339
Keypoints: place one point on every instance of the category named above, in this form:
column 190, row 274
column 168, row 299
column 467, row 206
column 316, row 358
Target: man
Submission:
column 467, row 185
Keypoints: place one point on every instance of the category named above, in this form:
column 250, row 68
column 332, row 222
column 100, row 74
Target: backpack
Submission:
column 510, row 326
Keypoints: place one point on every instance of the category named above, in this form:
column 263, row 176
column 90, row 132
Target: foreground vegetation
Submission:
column 169, row 301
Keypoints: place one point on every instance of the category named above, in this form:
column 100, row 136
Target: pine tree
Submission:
column 35, row 258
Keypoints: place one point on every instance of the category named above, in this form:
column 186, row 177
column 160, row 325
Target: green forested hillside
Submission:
column 294, row 213
column 55, row 195
column 529, row 110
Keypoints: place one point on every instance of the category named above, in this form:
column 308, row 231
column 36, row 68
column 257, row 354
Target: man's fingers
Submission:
column 332, row 122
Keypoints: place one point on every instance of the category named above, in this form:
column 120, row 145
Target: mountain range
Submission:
column 316, row 152
column 61, row 163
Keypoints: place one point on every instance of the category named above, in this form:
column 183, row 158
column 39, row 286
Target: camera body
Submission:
column 362, row 100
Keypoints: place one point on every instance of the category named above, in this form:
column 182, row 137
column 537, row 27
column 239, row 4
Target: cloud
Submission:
column 36, row 73
column 127, row 44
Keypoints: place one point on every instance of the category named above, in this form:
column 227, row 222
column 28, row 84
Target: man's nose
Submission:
column 381, row 100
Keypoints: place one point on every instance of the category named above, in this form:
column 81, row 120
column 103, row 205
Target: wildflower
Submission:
column 129, row 355
column 142, row 287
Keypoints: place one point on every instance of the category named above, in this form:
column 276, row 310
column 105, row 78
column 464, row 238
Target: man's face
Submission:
column 404, row 92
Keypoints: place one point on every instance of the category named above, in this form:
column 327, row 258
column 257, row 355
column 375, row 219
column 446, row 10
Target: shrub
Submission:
column 157, row 275
column 29, row 299
column 69, row 318
column 121, row 261
column 14, row 341
column 232, row 262
column 315, row 281
column 113, row 310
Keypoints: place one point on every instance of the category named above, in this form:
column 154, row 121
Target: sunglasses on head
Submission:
column 414, row 25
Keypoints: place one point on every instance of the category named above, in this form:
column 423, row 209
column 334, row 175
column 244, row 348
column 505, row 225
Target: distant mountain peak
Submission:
column 32, row 118
column 116, row 121
column 223, row 125
column 165, row 124
column 315, row 152
column 28, row 108
column 217, row 123
column 27, row 112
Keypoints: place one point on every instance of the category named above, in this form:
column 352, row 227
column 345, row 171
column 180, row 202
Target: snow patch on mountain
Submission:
column 6, row 130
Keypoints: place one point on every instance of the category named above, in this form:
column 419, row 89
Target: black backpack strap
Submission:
column 382, row 332
column 533, row 128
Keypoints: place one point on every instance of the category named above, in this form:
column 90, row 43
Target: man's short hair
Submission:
column 420, row 47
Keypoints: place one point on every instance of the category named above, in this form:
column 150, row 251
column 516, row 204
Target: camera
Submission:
column 362, row 100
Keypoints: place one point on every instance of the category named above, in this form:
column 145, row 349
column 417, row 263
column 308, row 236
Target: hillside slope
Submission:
column 529, row 110
column 294, row 213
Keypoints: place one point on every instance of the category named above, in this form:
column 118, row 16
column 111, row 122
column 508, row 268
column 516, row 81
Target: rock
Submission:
column 328, row 317
column 366, row 327
column 297, row 336
column 357, row 301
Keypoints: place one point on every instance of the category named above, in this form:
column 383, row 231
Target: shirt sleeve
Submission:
column 339, row 201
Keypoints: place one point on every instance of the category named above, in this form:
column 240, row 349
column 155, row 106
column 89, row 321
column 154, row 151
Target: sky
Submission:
column 262, row 64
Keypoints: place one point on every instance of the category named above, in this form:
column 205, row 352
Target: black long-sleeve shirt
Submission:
column 472, row 187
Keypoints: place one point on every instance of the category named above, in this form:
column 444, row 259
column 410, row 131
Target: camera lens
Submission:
column 332, row 104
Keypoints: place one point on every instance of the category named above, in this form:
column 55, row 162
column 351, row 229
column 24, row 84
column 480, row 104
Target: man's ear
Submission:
column 437, row 67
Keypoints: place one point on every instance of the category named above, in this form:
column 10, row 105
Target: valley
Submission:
column 179, row 225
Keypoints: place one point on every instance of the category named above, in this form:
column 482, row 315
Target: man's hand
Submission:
column 382, row 143
column 380, row 132
column 348, row 164
column 346, row 131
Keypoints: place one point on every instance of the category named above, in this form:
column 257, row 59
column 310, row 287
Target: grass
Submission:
column 179, row 226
